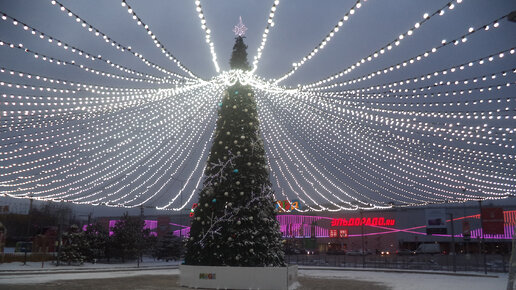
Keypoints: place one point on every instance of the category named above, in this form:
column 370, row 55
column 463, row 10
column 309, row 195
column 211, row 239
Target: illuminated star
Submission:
column 240, row 28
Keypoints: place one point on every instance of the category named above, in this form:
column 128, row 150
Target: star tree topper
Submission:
column 240, row 28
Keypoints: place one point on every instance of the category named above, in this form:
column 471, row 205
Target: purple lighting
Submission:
column 300, row 226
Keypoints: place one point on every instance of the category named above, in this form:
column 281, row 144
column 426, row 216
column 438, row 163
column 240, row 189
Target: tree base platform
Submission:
column 226, row 277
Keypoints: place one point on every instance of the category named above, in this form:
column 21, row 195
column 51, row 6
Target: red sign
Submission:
column 343, row 233
column 333, row 233
column 492, row 220
column 353, row 222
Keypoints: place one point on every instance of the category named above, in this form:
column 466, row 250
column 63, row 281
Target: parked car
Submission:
column 294, row 251
column 405, row 252
column 358, row 253
column 311, row 252
column 386, row 252
column 432, row 248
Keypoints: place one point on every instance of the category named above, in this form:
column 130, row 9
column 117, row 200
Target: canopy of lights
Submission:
column 422, row 113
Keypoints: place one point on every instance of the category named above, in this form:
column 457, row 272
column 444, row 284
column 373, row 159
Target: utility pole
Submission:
column 140, row 238
column 482, row 242
column 363, row 247
column 29, row 217
column 453, row 244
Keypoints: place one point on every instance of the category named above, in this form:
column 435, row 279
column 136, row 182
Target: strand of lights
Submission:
column 204, row 153
column 323, row 43
column 320, row 127
column 165, row 182
column 449, row 70
column 315, row 132
column 35, row 88
column 270, row 24
column 156, row 41
column 459, row 40
column 40, row 35
column 474, row 128
column 47, row 138
column 207, row 32
column 114, row 43
column 287, row 143
column 32, row 162
column 426, row 127
column 89, row 169
column 395, row 87
column 410, row 147
column 441, row 114
column 164, row 172
column 452, row 167
column 57, row 61
column 94, row 88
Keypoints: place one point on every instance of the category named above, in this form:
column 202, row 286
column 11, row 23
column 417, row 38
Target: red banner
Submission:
column 492, row 220
column 354, row 222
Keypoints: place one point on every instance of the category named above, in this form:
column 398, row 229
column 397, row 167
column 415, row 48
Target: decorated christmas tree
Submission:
column 234, row 223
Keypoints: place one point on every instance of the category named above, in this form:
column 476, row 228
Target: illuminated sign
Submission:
column 338, row 233
column 192, row 209
column 285, row 205
column 353, row 222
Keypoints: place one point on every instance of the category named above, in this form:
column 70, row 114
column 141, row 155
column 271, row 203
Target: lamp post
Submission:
column 181, row 202
column 453, row 243
column 482, row 242
column 363, row 248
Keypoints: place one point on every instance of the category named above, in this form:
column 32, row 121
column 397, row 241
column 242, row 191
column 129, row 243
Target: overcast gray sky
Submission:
column 299, row 26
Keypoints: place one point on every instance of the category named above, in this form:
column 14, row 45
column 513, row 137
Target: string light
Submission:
column 57, row 61
column 405, row 63
column 323, row 43
column 270, row 24
column 207, row 32
column 107, row 39
column 449, row 70
column 156, row 41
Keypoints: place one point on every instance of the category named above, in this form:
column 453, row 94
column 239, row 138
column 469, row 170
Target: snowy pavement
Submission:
column 410, row 280
column 18, row 267
column 32, row 273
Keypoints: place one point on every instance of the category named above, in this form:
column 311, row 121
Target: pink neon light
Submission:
column 300, row 226
column 354, row 222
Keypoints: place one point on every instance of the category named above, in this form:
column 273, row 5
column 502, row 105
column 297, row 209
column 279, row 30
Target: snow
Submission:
column 294, row 286
column 48, row 266
column 49, row 277
column 409, row 281
column 16, row 273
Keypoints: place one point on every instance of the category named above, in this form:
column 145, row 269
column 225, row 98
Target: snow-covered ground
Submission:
column 48, row 266
column 49, row 277
column 411, row 281
column 11, row 273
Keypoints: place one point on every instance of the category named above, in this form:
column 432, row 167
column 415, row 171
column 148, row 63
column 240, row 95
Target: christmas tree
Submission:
column 235, row 222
